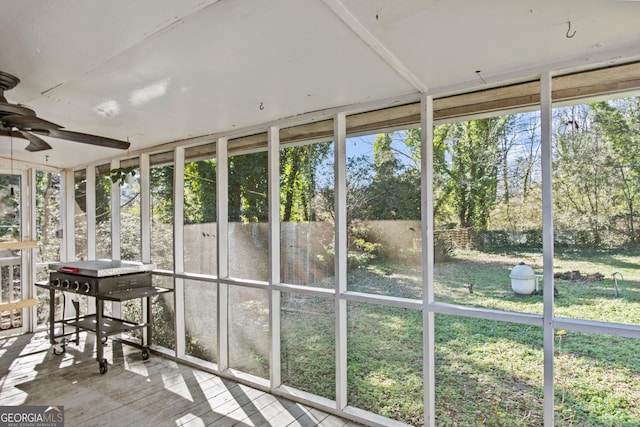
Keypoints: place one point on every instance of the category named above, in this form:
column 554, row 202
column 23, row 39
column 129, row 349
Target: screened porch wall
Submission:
column 232, row 315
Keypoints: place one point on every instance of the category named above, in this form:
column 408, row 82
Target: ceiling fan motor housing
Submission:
column 7, row 82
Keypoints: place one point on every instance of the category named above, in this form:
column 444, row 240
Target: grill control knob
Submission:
column 75, row 286
column 86, row 287
column 56, row 283
column 65, row 283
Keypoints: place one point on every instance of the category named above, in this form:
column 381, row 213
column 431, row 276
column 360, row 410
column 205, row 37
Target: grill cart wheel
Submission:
column 145, row 354
column 103, row 366
column 58, row 349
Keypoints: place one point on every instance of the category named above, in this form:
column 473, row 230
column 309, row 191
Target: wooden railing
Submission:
column 11, row 302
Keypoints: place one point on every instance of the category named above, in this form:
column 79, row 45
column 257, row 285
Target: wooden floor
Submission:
column 155, row 392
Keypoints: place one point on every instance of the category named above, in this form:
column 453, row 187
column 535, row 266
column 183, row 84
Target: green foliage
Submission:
column 466, row 160
column 580, row 182
column 384, row 363
column 80, row 189
column 163, row 324
column 161, row 195
column 10, row 207
column 395, row 188
column 103, row 195
column 248, row 188
column 300, row 180
column 497, row 239
column 130, row 229
column 596, row 179
column 530, row 238
column 619, row 122
column 308, row 344
column 161, row 187
column 480, row 371
column 200, row 192
column 478, row 182
column 385, row 163
column 386, row 186
column 195, row 348
column 47, row 192
column 487, row 372
column 443, row 250
column 473, row 148
column 360, row 199
column 362, row 250
column 119, row 175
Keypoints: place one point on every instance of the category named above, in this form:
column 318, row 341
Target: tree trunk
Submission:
column 291, row 179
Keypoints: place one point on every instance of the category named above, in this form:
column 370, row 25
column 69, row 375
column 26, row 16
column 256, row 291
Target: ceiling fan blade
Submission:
column 28, row 123
column 7, row 109
column 35, row 143
column 86, row 138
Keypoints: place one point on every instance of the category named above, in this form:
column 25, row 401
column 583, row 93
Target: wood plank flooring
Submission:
column 155, row 392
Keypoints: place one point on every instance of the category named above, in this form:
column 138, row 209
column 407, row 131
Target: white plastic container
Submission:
column 523, row 280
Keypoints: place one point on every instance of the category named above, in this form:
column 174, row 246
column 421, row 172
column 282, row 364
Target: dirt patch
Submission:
column 576, row 276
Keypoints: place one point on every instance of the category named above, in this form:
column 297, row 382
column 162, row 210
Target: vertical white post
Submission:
column 178, row 210
column 547, row 244
column 273, row 155
column 178, row 249
column 340, row 203
column 115, row 229
column 145, row 230
column 115, row 215
column 145, row 208
column 67, row 203
column 90, row 204
column 28, row 211
column 427, row 227
column 69, row 234
column 222, row 196
column 29, row 258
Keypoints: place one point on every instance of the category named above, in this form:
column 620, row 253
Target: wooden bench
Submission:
column 7, row 306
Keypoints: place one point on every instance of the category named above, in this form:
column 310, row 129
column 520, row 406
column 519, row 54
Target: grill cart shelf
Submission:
column 104, row 280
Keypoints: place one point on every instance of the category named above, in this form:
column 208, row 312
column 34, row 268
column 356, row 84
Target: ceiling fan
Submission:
column 17, row 120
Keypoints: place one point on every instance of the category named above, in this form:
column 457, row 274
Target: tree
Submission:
column 579, row 181
column 299, row 169
column 442, row 185
column 360, row 199
column 130, row 219
column 470, row 159
column 103, row 211
column 619, row 123
column 47, row 192
column 200, row 192
column 395, row 186
column 248, row 201
column 161, row 187
column 519, row 196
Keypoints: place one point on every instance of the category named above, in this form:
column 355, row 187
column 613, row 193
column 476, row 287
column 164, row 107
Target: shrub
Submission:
column 443, row 250
column 362, row 250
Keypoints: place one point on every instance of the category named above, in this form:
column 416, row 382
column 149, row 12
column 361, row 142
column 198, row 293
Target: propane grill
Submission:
column 100, row 277
column 105, row 280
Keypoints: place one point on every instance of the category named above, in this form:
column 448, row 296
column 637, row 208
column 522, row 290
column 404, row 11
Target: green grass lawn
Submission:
column 487, row 372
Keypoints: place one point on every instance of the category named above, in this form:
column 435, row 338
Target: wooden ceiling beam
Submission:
column 618, row 79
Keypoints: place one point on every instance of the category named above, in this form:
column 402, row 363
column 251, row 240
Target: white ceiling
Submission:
column 156, row 71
